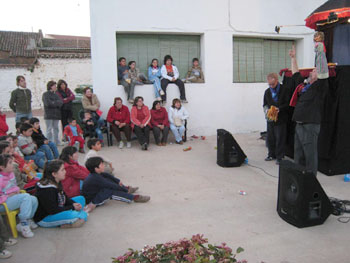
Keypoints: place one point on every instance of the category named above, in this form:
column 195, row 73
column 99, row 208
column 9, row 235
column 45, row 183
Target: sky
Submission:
column 60, row 17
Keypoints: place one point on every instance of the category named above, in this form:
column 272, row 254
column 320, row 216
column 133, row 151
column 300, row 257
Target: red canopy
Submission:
column 341, row 8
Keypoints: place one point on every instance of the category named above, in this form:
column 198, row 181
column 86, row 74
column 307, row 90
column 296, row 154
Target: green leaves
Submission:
column 239, row 250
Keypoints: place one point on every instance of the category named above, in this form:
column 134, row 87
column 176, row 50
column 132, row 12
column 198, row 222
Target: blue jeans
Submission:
column 20, row 115
column 50, row 151
column 156, row 85
column 38, row 157
column 177, row 131
column 26, row 203
column 65, row 217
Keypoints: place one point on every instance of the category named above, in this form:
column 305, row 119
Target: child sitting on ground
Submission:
column 99, row 186
column 43, row 144
column 91, row 125
column 195, row 74
column 320, row 57
column 55, row 208
column 75, row 173
column 26, row 176
column 28, row 147
column 10, row 194
column 95, row 146
column 74, row 134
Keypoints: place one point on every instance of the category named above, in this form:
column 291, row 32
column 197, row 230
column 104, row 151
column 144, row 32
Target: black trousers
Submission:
column 164, row 83
column 65, row 115
column 117, row 132
column 306, row 145
column 142, row 134
column 276, row 139
column 119, row 194
column 156, row 134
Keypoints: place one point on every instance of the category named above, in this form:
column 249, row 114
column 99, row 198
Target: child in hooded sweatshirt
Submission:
column 10, row 194
column 43, row 144
column 75, row 173
column 55, row 208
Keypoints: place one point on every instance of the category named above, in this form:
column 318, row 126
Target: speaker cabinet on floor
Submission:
column 301, row 199
column 229, row 153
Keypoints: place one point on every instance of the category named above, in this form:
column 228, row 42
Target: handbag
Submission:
column 177, row 121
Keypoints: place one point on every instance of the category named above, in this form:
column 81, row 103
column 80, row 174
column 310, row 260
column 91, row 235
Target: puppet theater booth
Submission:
column 332, row 18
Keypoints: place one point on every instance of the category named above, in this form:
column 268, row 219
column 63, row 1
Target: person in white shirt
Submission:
column 95, row 146
column 170, row 74
column 177, row 115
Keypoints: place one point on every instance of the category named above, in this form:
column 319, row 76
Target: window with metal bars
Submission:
column 254, row 58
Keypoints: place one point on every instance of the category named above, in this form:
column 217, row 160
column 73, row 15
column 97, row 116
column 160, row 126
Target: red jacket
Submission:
column 159, row 117
column 68, row 131
column 122, row 115
column 74, row 173
column 145, row 121
column 3, row 125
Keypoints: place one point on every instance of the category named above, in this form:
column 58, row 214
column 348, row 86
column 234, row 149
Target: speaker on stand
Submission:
column 229, row 153
column 301, row 199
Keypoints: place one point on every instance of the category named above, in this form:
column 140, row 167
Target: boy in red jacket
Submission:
column 74, row 134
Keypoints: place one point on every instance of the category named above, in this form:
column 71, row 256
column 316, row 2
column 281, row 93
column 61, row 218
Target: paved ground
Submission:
column 190, row 195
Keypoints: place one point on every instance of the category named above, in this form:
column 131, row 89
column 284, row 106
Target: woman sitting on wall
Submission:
column 177, row 116
column 140, row 120
column 160, row 123
column 170, row 74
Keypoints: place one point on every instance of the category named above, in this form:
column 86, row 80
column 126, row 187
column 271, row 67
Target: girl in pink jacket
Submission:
column 10, row 194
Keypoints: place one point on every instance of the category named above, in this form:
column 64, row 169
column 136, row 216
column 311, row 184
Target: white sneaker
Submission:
column 25, row 230
column 161, row 93
column 32, row 224
column 159, row 98
column 5, row 254
column 10, row 242
column 128, row 144
column 121, row 145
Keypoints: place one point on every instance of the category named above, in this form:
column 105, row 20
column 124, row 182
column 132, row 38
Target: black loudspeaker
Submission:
column 301, row 199
column 229, row 154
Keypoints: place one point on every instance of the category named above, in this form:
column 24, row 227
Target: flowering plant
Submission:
column 184, row 250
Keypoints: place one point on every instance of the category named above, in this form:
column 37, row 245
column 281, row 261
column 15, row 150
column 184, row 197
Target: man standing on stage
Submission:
column 308, row 101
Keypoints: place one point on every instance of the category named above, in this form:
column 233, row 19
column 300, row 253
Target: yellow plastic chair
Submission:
column 11, row 217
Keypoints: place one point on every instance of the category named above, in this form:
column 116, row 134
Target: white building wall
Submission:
column 218, row 103
column 74, row 71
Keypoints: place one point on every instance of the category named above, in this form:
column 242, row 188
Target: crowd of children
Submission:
column 52, row 189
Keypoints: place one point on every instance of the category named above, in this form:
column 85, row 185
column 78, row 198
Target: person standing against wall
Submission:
column 67, row 97
column 21, row 100
column 276, row 96
column 52, row 111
